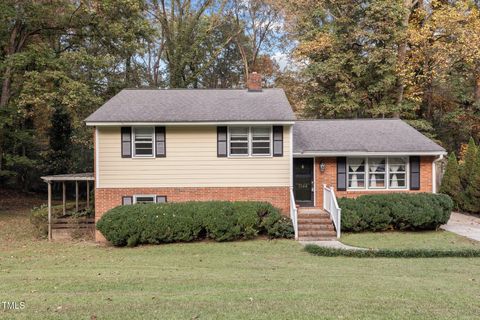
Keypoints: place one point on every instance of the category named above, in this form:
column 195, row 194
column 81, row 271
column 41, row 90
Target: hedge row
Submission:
column 391, row 253
column 397, row 211
column 188, row 221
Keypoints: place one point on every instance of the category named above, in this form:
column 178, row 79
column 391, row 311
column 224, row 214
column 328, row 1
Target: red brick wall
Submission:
column 108, row 198
column 329, row 177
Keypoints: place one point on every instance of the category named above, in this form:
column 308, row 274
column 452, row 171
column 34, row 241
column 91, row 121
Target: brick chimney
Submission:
column 254, row 82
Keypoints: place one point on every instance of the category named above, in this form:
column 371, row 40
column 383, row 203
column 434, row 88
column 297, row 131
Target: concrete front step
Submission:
column 311, row 210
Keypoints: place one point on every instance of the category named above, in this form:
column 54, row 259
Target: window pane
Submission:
column 261, row 132
column 398, row 180
column 356, row 165
column 145, row 199
column 376, row 172
column 239, row 131
column 265, row 151
column 239, row 151
column 356, row 180
column 397, row 164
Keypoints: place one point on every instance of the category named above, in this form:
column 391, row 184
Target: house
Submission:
column 199, row 144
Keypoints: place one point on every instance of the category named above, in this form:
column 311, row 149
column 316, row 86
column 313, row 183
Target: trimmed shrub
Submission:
column 188, row 221
column 391, row 253
column 396, row 211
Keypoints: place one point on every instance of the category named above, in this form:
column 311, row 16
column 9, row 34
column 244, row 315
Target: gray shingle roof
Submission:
column 194, row 105
column 361, row 135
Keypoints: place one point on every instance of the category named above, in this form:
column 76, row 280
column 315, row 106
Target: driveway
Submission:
column 464, row 225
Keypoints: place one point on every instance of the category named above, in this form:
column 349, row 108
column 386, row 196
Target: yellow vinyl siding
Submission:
column 191, row 161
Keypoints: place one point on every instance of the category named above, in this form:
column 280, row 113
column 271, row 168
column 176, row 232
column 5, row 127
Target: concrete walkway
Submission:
column 464, row 225
column 335, row 244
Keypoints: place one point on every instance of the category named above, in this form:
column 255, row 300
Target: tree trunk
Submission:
column 402, row 53
column 477, row 87
column 6, row 87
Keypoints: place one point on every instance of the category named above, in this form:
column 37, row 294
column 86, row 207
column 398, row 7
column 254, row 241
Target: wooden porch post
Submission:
column 64, row 197
column 88, row 194
column 49, row 210
column 76, row 196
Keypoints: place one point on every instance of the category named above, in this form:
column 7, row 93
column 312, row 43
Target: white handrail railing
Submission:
column 293, row 213
column 330, row 205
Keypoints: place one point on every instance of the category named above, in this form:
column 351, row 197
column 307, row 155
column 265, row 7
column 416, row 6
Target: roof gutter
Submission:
column 199, row 123
column 366, row 153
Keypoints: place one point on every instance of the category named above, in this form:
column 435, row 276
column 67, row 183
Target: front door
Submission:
column 303, row 181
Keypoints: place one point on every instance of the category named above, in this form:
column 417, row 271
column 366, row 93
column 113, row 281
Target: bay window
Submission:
column 250, row 141
column 377, row 173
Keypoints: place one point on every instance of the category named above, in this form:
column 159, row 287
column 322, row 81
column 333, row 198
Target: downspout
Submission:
column 434, row 173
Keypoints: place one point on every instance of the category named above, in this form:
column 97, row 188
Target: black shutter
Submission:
column 415, row 173
column 126, row 137
column 277, row 141
column 160, row 143
column 221, row 141
column 161, row 199
column 341, row 173
column 127, row 200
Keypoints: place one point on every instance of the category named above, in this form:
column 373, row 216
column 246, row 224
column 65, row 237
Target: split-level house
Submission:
column 246, row 144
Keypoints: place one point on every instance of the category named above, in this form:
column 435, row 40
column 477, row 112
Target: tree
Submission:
column 185, row 27
column 349, row 49
column 451, row 184
column 468, row 163
column 259, row 22
column 472, row 192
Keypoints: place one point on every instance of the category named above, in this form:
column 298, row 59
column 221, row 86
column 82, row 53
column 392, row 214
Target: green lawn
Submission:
column 239, row 280
column 409, row 240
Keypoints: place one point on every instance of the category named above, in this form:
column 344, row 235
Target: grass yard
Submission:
column 239, row 280
column 409, row 240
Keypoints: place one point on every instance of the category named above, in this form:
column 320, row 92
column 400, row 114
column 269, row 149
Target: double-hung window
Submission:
column 143, row 138
column 250, row 141
column 377, row 173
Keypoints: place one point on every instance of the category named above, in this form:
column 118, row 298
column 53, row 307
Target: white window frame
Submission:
column 134, row 155
column 407, row 174
column 250, row 143
column 144, row 196
column 387, row 174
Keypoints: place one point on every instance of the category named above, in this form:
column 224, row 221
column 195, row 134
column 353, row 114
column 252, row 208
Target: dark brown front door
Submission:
column 303, row 181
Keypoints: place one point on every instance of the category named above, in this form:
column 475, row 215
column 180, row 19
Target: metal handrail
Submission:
column 330, row 205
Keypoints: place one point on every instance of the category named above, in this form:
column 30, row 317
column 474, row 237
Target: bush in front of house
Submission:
column 189, row 221
column 397, row 211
